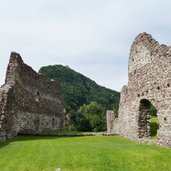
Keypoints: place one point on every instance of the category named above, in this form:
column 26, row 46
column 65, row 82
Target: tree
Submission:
column 78, row 90
column 94, row 115
column 153, row 110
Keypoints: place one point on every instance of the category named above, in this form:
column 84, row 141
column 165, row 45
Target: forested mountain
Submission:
column 79, row 90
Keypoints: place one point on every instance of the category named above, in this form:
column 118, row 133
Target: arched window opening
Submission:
column 148, row 121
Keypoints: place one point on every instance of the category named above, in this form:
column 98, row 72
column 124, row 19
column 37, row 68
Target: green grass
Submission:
column 96, row 153
column 154, row 126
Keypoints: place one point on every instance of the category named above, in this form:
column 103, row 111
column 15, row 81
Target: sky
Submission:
column 92, row 37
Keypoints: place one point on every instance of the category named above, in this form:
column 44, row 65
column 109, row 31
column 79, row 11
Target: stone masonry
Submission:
column 29, row 103
column 149, row 72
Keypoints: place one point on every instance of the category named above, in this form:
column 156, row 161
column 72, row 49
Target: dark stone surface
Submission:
column 29, row 103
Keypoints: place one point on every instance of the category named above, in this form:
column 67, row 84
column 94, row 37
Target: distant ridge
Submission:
column 79, row 90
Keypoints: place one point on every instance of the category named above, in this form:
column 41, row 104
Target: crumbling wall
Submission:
column 111, row 120
column 29, row 103
column 149, row 80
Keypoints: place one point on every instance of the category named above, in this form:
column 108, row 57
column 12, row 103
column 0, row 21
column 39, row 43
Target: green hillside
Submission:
column 79, row 90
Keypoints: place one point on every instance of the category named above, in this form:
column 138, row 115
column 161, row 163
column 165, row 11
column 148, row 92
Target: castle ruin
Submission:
column 149, row 73
column 29, row 102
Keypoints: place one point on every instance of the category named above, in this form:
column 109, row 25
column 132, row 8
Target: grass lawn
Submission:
column 96, row 153
column 154, row 126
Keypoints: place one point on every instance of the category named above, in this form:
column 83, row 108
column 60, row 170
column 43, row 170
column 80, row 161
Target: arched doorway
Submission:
column 147, row 120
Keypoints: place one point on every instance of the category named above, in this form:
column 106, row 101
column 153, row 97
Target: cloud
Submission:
column 92, row 37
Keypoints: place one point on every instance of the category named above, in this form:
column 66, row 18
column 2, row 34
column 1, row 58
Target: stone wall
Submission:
column 29, row 103
column 149, row 83
column 110, row 117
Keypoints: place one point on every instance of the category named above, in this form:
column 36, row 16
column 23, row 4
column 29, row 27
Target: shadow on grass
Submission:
column 2, row 144
column 41, row 137
column 27, row 138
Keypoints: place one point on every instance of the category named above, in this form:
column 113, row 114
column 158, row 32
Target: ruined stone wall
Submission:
column 29, row 103
column 111, row 120
column 149, row 80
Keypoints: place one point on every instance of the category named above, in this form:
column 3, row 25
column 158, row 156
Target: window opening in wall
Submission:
column 148, row 121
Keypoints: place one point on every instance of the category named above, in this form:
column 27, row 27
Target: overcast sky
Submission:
column 91, row 36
